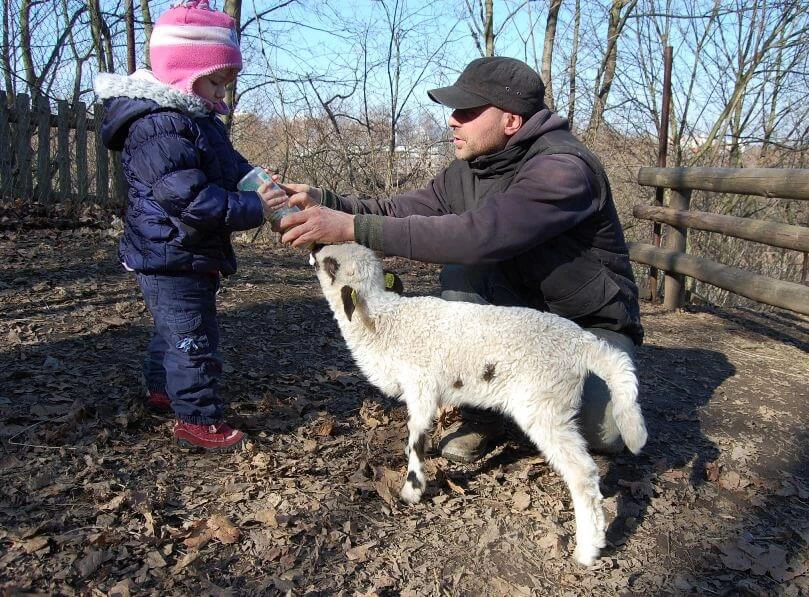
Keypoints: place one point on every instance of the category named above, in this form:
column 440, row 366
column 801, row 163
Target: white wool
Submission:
column 527, row 364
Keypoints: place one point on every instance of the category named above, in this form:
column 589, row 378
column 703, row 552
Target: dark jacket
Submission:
column 182, row 171
column 542, row 207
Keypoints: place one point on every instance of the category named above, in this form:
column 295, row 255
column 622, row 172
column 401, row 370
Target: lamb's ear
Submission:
column 393, row 283
column 353, row 302
column 348, row 295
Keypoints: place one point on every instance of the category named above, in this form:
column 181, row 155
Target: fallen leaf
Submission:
column 185, row 561
column 326, row 427
column 90, row 563
column 155, row 560
column 387, row 483
column 360, row 552
column 34, row 544
column 730, row 480
column 521, row 501
column 268, row 517
column 115, row 503
column 372, row 414
column 222, row 529
column 552, row 545
column 122, row 588
column 456, row 488
column 712, row 471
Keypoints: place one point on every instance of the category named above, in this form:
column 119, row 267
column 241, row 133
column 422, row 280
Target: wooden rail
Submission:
column 774, row 234
column 787, row 295
column 763, row 182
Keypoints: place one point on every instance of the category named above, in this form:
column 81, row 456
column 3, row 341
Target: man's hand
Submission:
column 317, row 224
column 300, row 195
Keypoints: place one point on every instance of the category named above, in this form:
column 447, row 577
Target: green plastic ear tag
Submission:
column 354, row 296
column 390, row 280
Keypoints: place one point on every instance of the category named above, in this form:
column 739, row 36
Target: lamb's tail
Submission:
column 615, row 367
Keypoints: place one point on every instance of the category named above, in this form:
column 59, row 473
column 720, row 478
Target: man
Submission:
column 525, row 216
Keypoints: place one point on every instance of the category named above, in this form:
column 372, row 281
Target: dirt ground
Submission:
column 96, row 500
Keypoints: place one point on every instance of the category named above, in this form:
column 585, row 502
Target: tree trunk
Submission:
column 488, row 32
column 606, row 71
column 547, row 51
column 571, row 99
column 146, row 17
column 234, row 9
column 6, row 56
column 96, row 28
column 25, row 47
column 130, row 36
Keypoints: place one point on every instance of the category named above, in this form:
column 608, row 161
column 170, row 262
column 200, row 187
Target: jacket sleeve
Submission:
column 429, row 201
column 164, row 157
column 242, row 164
column 550, row 195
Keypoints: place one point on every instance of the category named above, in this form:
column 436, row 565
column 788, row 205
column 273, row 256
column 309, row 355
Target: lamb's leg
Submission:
column 559, row 440
column 418, row 426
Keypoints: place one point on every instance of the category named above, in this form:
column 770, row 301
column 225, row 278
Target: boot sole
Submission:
column 187, row 445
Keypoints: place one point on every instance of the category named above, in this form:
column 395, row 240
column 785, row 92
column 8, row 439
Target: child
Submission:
column 183, row 205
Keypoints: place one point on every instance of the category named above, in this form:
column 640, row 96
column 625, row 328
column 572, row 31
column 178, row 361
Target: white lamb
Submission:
column 529, row 365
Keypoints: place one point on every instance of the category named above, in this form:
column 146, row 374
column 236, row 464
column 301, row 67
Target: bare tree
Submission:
column 5, row 55
column 618, row 14
column 571, row 77
column 547, row 52
column 480, row 19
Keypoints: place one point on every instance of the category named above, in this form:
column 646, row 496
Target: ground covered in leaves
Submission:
column 95, row 499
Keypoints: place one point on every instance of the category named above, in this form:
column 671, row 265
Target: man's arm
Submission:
column 328, row 217
column 550, row 195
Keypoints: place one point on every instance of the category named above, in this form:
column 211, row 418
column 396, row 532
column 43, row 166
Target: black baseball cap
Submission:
column 507, row 83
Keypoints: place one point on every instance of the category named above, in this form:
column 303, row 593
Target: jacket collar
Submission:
column 505, row 160
column 142, row 84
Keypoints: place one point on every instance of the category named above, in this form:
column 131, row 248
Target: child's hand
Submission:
column 272, row 196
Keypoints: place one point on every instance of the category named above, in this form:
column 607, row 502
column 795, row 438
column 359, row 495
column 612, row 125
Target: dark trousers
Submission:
column 182, row 357
column 487, row 284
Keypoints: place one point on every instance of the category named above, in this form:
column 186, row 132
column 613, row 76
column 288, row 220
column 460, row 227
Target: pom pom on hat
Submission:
column 191, row 40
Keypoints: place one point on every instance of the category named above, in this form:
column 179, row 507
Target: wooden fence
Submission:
column 672, row 258
column 35, row 164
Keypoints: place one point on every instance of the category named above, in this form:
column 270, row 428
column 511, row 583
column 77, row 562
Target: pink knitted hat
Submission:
column 191, row 40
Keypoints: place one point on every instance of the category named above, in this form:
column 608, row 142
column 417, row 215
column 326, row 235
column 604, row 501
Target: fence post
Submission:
column 43, row 109
column 81, row 151
column 23, row 114
column 674, row 284
column 6, row 162
column 102, row 156
column 63, row 124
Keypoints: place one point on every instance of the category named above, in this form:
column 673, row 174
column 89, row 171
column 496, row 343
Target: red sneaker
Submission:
column 158, row 401
column 219, row 437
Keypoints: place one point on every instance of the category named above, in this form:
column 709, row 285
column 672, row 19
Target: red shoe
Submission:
column 158, row 401
column 219, row 437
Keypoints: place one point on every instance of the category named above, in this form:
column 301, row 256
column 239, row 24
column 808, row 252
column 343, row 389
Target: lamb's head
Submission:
column 349, row 275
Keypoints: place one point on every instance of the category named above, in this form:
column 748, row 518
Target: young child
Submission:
column 183, row 205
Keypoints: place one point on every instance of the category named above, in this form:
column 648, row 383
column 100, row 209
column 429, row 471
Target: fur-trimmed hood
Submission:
column 127, row 98
column 142, row 84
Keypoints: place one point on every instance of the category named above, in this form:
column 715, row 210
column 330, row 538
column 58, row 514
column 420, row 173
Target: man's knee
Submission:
column 463, row 283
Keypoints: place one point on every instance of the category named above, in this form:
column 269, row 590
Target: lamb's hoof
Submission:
column 409, row 494
column 586, row 554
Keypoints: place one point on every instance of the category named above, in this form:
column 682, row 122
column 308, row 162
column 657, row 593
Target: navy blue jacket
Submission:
column 182, row 171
